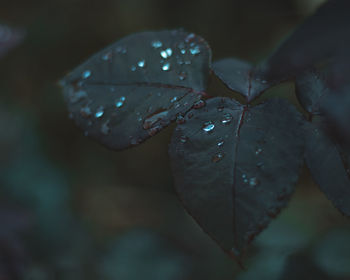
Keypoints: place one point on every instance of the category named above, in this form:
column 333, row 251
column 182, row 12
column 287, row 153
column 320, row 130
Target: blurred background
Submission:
column 71, row 209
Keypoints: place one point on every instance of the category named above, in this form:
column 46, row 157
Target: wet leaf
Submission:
column 235, row 166
column 9, row 38
column 328, row 162
column 137, row 86
column 242, row 77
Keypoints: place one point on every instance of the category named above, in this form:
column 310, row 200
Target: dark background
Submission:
column 72, row 209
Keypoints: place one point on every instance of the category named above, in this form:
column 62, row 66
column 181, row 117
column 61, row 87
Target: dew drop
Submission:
column 121, row 50
column 86, row 74
column 220, row 143
column 157, row 44
column 183, row 139
column 199, row 104
column 196, row 50
column 120, row 102
column 107, row 56
column 154, row 118
column 258, row 151
column 166, row 53
column 182, row 76
column 174, row 99
column 208, row 127
column 190, row 37
column 99, row 112
column 180, row 119
column 141, row 63
column 166, row 67
column 217, row 157
column 183, row 51
column 227, row 118
column 244, row 176
column 264, row 81
column 133, row 68
column 253, row 182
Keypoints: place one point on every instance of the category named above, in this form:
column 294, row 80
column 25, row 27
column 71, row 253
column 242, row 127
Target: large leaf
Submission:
column 242, row 77
column 235, row 166
column 328, row 162
column 137, row 86
column 325, row 35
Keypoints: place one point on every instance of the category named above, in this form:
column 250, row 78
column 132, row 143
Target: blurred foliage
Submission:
column 97, row 214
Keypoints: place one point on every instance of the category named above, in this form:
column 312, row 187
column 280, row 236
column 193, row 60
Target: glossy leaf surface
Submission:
column 235, row 166
column 137, row 86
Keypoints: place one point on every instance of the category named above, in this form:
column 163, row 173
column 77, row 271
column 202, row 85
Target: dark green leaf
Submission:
column 242, row 77
column 235, row 166
column 322, row 36
column 328, row 162
column 137, row 86
column 311, row 91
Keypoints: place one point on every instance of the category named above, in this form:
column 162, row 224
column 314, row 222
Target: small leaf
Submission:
column 241, row 77
column 132, row 89
column 235, row 166
column 328, row 162
column 9, row 38
column 311, row 89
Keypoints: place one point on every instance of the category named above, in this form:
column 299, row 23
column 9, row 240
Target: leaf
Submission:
column 322, row 36
column 242, row 77
column 235, row 166
column 9, row 38
column 132, row 89
column 328, row 162
column 311, row 90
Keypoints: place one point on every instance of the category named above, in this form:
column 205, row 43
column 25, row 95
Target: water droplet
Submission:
column 152, row 119
column 107, row 56
column 182, row 76
column 85, row 112
column 86, row 74
column 183, row 139
column 105, row 128
column 190, row 37
column 227, row 118
column 121, row 50
column 99, row 112
column 120, row 102
column 141, row 63
column 183, row 51
column 258, row 151
column 166, row 53
column 133, row 68
column 180, row 119
column 174, row 99
column 244, row 176
column 199, row 104
column 208, row 127
column 253, row 182
column 157, row 44
column 166, row 67
column 196, row 50
column 220, row 143
column 264, row 81
column 217, row 157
